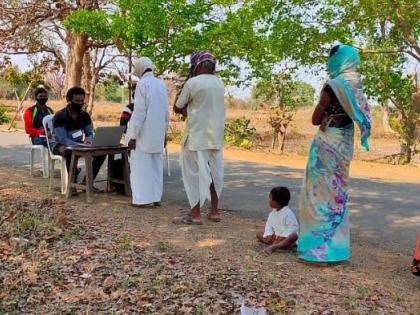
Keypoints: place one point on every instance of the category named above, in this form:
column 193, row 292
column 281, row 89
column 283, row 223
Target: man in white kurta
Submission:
column 146, row 134
column 202, row 157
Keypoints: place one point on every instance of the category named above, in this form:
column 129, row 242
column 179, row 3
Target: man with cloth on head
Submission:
column 202, row 157
column 146, row 134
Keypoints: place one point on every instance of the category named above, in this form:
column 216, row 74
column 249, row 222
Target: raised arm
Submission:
column 183, row 99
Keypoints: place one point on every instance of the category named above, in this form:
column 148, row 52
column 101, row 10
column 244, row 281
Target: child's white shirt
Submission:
column 281, row 223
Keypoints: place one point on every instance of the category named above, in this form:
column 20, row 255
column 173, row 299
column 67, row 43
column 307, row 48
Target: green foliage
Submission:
column 4, row 118
column 110, row 90
column 283, row 91
column 240, row 133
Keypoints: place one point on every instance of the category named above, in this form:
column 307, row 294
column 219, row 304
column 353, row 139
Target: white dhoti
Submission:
column 199, row 170
column 146, row 176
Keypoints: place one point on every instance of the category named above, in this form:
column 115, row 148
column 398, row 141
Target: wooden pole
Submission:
column 130, row 67
column 20, row 106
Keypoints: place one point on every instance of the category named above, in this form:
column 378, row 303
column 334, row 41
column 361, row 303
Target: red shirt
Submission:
column 33, row 120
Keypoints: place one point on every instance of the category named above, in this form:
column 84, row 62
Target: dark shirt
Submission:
column 335, row 108
column 126, row 115
column 69, row 131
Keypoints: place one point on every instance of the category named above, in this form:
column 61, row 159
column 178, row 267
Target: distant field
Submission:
column 298, row 138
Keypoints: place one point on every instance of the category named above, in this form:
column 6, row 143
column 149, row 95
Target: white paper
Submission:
column 77, row 134
column 245, row 310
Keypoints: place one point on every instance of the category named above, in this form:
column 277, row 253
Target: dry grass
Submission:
column 299, row 135
column 114, row 259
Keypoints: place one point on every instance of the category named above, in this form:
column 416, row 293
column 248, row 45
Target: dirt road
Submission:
column 384, row 199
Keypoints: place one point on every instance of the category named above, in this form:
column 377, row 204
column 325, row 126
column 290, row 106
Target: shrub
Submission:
column 4, row 118
column 240, row 133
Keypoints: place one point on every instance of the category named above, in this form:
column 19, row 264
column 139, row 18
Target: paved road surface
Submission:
column 385, row 214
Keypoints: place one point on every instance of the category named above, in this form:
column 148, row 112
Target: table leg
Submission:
column 72, row 175
column 89, row 178
column 126, row 173
column 110, row 174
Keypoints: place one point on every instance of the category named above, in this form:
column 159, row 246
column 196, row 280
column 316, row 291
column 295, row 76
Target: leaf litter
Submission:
column 55, row 260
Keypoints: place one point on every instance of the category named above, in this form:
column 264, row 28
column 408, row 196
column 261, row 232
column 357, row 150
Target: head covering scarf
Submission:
column 142, row 65
column 347, row 86
column 199, row 57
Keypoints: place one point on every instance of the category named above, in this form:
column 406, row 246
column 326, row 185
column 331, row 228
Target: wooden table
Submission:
column 88, row 154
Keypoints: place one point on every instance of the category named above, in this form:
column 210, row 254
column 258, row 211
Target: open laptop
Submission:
column 107, row 137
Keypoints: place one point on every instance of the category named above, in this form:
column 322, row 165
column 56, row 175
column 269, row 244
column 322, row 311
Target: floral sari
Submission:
column 324, row 234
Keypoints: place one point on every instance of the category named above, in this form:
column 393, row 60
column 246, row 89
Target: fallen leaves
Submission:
column 62, row 263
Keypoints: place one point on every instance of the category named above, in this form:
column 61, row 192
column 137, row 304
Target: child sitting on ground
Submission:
column 281, row 229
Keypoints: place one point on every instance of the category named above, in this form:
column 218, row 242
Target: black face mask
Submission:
column 42, row 101
column 76, row 107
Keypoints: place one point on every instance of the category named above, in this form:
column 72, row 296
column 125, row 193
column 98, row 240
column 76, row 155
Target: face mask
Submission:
column 76, row 107
column 42, row 101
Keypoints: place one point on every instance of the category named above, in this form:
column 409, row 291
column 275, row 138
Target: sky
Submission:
column 242, row 92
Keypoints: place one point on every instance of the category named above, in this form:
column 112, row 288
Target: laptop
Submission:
column 107, row 137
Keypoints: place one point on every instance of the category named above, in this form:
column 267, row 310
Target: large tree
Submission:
column 35, row 28
column 387, row 33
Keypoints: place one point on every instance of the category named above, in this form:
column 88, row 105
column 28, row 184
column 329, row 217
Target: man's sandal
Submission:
column 415, row 268
column 186, row 220
column 213, row 218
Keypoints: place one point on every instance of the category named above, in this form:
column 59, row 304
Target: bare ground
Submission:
column 110, row 258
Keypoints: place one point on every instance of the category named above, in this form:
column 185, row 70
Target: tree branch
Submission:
column 401, row 22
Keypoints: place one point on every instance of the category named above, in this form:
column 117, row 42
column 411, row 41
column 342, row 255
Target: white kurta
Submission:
column 148, row 126
column 202, row 144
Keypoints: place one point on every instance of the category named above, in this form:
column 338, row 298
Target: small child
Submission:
column 281, row 228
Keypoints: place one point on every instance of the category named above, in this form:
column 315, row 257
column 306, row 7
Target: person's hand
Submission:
column 184, row 112
column 88, row 141
column 132, row 144
column 49, row 134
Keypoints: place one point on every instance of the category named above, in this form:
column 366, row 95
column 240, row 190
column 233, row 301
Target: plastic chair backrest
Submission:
column 47, row 123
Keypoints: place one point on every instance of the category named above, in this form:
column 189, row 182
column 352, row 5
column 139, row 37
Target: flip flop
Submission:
column 415, row 268
column 213, row 218
column 186, row 220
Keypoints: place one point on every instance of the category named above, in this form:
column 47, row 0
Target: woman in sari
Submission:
column 324, row 235
column 415, row 268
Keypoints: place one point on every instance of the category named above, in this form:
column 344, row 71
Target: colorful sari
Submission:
column 324, row 234
column 415, row 269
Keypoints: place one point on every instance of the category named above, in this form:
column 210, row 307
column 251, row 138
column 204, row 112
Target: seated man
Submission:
column 70, row 124
column 128, row 110
column 34, row 115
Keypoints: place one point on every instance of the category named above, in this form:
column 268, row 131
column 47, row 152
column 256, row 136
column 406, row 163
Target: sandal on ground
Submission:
column 186, row 220
column 149, row 205
column 213, row 218
column 415, row 268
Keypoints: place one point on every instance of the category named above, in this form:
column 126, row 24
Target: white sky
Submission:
column 316, row 81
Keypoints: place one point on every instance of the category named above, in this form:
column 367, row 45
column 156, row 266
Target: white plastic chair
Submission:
column 44, row 156
column 47, row 122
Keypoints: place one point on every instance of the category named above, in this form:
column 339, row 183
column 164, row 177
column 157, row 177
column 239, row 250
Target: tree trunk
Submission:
column 275, row 139
column 408, row 143
column 385, row 116
column 91, row 99
column 87, row 77
column 406, row 154
column 283, row 139
column 76, row 49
